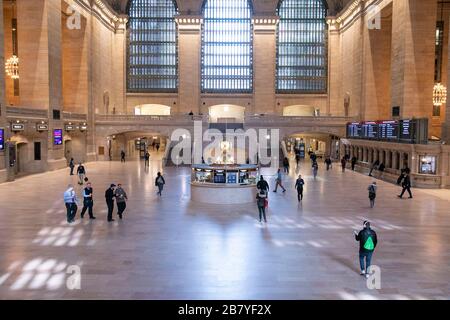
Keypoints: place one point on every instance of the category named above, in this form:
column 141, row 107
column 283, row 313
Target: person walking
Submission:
column 70, row 201
column 160, row 182
column 297, row 159
column 261, row 198
column 121, row 200
column 286, row 165
column 88, row 201
column 299, row 187
column 71, row 166
column 367, row 243
column 122, row 156
column 406, row 184
column 353, row 162
column 81, row 172
column 262, row 184
column 315, row 169
column 157, row 147
column 147, row 159
column 329, row 163
column 374, row 166
column 372, row 193
column 109, row 197
column 343, row 163
column 279, row 181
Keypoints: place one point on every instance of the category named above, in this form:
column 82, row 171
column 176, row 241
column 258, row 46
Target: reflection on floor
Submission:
column 171, row 248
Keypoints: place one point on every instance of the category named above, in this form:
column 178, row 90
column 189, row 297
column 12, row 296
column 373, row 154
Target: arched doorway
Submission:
column 226, row 113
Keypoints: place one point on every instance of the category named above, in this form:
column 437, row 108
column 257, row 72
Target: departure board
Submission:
column 389, row 130
column 413, row 131
column 369, row 130
column 354, row 130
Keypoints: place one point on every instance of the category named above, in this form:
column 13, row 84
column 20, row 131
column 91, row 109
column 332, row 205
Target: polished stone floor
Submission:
column 171, row 248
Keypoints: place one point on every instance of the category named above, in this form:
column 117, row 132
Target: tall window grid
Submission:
column 302, row 47
column 227, row 46
column 152, row 46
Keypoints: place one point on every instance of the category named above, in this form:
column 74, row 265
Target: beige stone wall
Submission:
column 3, row 173
column 75, row 48
column 10, row 98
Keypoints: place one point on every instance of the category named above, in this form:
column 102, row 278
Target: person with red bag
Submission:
column 261, row 200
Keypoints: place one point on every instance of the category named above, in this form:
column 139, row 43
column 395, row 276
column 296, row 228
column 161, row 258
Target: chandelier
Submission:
column 439, row 94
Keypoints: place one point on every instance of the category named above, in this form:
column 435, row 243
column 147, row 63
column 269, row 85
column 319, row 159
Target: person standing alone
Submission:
column 88, row 201
column 315, row 169
column 147, row 159
column 81, row 172
column 121, row 200
column 261, row 198
column 71, row 166
column 343, row 163
column 299, row 186
column 70, row 200
column 160, row 182
column 122, row 156
column 372, row 193
column 367, row 242
column 109, row 197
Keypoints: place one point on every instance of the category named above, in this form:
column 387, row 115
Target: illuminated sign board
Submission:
column 70, row 127
column 2, row 139
column 17, row 127
column 406, row 131
column 57, row 137
column 42, row 127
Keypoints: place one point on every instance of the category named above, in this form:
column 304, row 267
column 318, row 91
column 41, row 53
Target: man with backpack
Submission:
column 367, row 243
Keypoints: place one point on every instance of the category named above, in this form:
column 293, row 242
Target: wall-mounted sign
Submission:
column 57, row 137
column 2, row 139
column 42, row 127
column 69, row 127
column 83, row 127
column 17, row 127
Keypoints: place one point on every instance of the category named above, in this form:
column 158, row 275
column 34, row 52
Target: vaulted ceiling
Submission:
column 260, row 6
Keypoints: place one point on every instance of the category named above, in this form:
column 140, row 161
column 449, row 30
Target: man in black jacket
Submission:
column 262, row 184
column 406, row 185
column 109, row 196
column 367, row 242
column 88, row 201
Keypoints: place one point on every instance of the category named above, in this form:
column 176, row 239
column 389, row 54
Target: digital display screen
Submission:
column 2, row 139
column 403, row 131
column 406, row 130
column 354, row 130
column 370, row 130
column 388, row 130
column 57, row 137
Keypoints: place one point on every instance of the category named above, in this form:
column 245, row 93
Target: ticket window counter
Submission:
column 427, row 165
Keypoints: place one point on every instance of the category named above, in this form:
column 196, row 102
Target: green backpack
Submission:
column 369, row 245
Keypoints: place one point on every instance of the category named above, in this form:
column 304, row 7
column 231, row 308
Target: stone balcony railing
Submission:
column 70, row 116
column 254, row 120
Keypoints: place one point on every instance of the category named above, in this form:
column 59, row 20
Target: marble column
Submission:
column 189, row 59
column 413, row 55
column 264, row 64
column 40, row 51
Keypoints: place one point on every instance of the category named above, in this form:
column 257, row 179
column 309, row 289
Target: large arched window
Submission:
column 152, row 46
column 302, row 46
column 227, row 44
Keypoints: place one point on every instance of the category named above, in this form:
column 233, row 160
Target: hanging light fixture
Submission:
column 439, row 94
column 12, row 64
column 12, row 67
